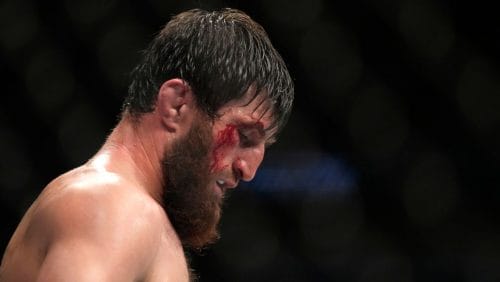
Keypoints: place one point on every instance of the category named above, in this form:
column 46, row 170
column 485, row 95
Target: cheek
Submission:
column 226, row 138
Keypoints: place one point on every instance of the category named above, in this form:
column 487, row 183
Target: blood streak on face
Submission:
column 225, row 138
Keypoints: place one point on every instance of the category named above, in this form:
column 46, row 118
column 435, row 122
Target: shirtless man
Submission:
column 207, row 98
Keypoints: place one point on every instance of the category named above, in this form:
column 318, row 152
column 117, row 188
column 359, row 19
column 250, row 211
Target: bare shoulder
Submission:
column 86, row 198
column 104, row 215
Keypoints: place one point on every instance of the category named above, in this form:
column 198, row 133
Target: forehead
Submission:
column 251, row 108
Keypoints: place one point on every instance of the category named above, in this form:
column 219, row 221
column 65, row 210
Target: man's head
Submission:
column 242, row 93
column 220, row 55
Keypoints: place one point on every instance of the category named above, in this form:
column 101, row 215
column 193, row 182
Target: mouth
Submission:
column 219, row 187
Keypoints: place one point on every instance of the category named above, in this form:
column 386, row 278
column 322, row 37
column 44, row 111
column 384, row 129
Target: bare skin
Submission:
column 104, row 221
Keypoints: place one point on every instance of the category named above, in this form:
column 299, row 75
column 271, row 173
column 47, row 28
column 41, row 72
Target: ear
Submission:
column 175, row 104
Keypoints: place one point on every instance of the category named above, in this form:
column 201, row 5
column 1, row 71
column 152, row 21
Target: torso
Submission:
column 27, row 249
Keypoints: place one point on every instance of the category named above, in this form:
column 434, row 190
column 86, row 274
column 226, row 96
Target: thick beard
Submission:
column 189, row 201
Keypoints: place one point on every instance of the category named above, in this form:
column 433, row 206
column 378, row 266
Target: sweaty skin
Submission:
column 104, row 220
column 95, row 224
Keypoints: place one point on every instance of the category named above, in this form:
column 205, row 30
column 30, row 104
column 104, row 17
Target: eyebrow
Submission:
column 253, row 125
column 259, row 126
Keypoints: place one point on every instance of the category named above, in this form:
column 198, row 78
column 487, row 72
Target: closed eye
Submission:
column 253, row 134
column 247, row 138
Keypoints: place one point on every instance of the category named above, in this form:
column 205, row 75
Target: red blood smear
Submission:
column 225, row 138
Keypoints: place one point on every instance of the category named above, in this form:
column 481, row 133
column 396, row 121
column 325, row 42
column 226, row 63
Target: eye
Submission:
column 246, row 139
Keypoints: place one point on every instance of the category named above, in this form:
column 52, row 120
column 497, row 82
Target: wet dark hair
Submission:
column 220, row 54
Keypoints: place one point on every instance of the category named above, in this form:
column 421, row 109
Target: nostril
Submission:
column 238, row 169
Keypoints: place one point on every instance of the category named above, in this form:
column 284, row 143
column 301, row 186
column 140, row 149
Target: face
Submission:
column 240, row 138
column 211, row 158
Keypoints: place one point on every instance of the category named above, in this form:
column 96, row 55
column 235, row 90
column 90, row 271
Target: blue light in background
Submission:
column 313, row 173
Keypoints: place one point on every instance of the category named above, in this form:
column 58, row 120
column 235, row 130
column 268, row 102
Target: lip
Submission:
column 218, row 189
column 229, row 184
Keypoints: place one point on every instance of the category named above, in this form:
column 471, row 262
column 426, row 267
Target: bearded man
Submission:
column 209, row 95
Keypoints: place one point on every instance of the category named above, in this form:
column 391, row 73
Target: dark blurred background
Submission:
column 387, row 171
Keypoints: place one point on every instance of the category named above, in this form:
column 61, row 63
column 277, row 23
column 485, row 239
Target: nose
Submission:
column 249, row 160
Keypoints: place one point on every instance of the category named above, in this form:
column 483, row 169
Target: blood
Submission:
column 225, row 138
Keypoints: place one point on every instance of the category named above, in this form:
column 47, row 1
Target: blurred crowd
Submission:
column 387, row 170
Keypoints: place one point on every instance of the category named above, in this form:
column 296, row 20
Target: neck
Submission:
column 132, row 151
